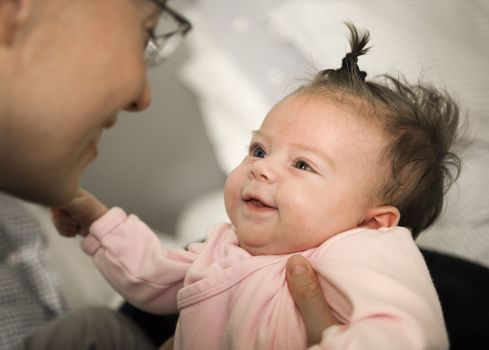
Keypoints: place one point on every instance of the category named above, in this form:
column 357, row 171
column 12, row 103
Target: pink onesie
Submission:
column 375, row 281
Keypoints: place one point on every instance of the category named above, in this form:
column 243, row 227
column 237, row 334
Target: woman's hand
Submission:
column 76, row 216
column 308, row 296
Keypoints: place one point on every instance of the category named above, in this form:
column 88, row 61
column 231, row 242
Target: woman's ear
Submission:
column 386, row 216
column 11, row 13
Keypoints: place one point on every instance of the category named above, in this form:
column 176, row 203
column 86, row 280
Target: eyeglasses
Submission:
column 166, row 36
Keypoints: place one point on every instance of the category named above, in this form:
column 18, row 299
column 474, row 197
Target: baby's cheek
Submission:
column 230, row 199
column 306, row 225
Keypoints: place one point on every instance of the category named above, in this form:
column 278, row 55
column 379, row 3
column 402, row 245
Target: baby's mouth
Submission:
column 257, row 203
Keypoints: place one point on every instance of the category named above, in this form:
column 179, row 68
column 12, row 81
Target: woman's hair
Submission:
column 420, row 123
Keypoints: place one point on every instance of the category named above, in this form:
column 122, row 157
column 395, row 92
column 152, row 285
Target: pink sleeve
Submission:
column 379, row 287
column 131, row 258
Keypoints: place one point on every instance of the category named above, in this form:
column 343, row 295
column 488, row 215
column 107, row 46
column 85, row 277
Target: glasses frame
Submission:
column 159, row 41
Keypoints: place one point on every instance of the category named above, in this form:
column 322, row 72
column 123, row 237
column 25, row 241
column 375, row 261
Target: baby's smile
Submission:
column 255, row 203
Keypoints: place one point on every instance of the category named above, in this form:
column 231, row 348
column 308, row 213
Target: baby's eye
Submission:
column 257, row 151
column 302, row 165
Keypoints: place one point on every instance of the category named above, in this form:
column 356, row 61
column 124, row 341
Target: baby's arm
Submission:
column 130, row 256
column 127, row 253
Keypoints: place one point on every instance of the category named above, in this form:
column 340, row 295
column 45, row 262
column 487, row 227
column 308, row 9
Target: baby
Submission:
column 346, row 172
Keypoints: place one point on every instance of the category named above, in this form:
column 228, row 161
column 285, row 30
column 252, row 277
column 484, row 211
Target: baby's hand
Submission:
column 76, row 216
column 65, row 224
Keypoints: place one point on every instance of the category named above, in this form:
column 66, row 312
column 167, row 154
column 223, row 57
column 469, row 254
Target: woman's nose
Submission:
column 142, row 101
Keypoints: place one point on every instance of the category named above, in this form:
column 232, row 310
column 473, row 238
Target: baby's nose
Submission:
column 264, row 170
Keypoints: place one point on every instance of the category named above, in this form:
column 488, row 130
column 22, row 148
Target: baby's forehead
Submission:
column 319, row 120
column 307, row 107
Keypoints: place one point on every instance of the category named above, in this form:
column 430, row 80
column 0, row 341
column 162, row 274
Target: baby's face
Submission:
column 311, row 172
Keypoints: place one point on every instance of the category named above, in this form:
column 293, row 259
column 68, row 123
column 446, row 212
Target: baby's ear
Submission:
column 386, row 216
column 11, row 13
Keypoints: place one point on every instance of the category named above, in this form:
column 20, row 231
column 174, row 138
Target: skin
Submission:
column 310, row 174
column 306, row 291
column 62, row 84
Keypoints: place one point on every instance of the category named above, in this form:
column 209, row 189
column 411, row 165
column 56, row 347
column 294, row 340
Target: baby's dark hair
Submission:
column 421, row 124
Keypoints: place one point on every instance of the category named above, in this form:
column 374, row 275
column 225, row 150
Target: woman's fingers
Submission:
column 307, row 293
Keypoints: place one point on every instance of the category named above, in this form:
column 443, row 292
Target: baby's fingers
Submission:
column 65, row 224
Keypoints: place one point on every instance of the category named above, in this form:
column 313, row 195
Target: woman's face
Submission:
column 74, row 65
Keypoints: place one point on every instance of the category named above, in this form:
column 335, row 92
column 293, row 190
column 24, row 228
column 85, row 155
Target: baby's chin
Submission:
column 270, row 249
column 265, row 240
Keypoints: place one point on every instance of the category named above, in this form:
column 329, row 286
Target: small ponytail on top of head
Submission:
column 358, row 47
column 348, row 76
